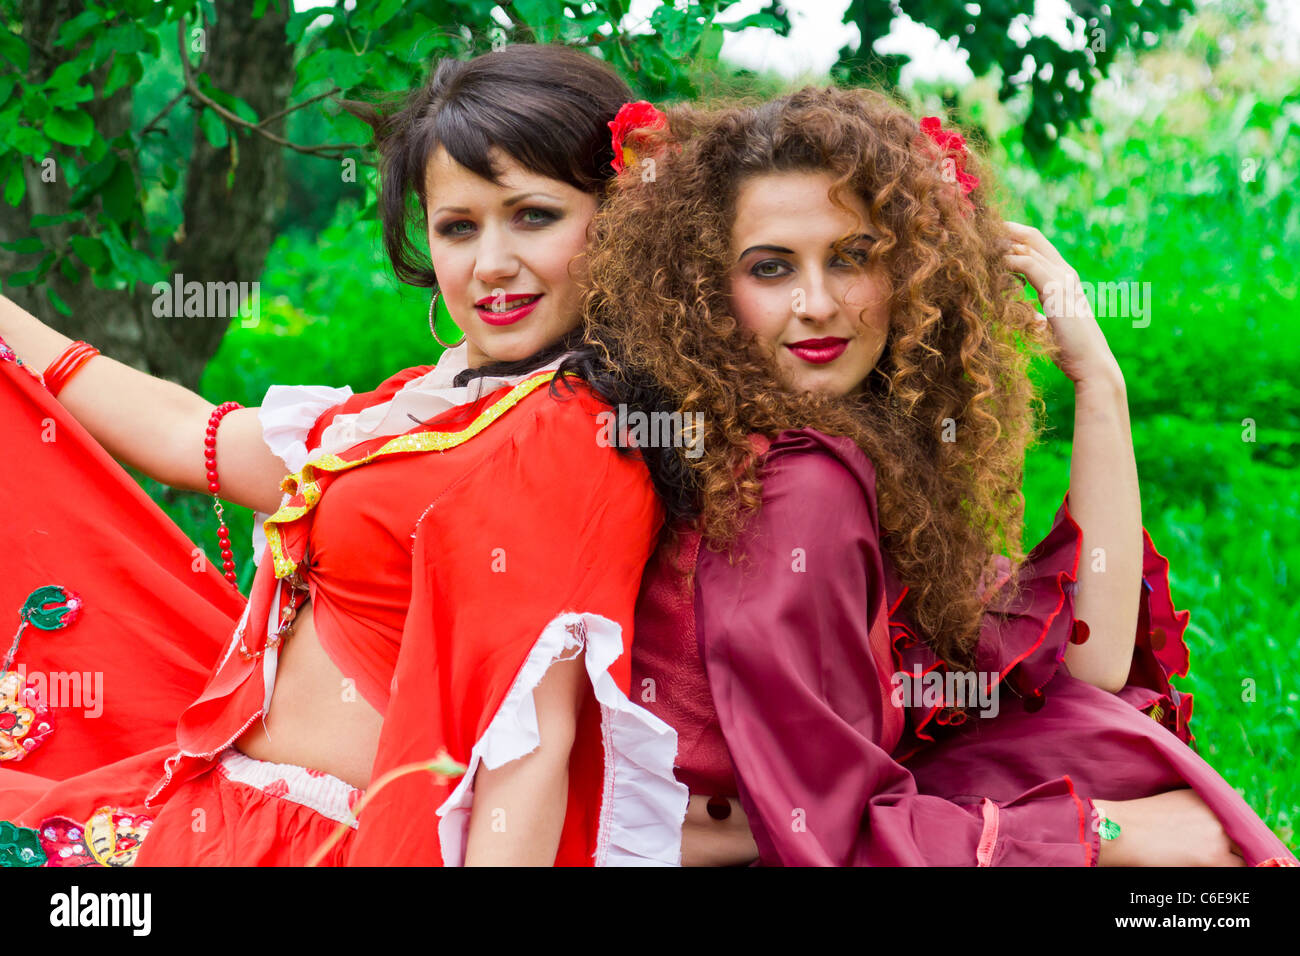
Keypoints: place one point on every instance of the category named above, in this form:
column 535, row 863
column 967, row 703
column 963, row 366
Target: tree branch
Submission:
column 163, row 112
column 285, row 112
column 327, row 150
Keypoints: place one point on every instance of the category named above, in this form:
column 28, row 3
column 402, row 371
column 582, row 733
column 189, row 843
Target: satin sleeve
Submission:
column 799, row 679
column 1028, row 635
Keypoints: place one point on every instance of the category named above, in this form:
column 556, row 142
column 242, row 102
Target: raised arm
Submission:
column 152, row 424
column 1104, row 495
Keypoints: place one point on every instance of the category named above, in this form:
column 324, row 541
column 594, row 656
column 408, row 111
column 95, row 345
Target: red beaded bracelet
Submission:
column 214, row 486
column 67, row 364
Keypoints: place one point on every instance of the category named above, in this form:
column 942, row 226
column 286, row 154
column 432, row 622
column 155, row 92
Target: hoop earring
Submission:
column 432, row 305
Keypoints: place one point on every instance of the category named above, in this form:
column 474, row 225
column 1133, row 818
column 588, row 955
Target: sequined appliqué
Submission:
column 25, row 720
column 111, row 837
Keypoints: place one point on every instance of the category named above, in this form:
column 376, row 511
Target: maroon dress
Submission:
column 778, row 673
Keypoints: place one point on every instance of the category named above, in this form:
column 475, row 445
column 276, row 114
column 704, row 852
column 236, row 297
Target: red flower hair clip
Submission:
column 630, row 119
column 953, row 145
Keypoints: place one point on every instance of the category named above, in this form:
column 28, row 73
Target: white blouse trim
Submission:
column 287, row 415
column 289, row 411
column 642, row 806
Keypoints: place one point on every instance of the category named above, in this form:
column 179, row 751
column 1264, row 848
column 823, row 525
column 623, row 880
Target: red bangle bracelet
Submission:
column 67, row 364
column 59, row 369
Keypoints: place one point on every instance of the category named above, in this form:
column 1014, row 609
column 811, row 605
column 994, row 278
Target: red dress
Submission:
column 779, row 673
column 449, row 566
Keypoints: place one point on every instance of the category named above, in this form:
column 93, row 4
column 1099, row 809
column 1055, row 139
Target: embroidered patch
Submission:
column 110, row 837
column 25, row 720
column 20, row 846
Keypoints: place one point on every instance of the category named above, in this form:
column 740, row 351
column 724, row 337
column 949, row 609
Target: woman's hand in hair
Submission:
column 1084, row 355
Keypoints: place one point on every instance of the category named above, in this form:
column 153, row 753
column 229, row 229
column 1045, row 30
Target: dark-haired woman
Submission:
column 818, row 280
column 450, row 568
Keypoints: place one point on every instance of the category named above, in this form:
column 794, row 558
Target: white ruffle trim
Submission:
column 642, row 807
column 287, row 414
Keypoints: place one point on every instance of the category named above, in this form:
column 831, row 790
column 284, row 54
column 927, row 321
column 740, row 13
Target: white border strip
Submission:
column 643, row 806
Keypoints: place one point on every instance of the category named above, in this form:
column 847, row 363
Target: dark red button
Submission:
column 1081, row 632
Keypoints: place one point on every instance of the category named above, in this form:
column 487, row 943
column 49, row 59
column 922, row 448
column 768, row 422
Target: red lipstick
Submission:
column 489, row 308
column 819, row 351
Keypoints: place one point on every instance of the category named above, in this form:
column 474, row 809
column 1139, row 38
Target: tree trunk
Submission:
column 226, row 231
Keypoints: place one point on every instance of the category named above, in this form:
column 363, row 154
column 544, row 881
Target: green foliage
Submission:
column 132, row 180
column 1057, row 80
column 1197, row 202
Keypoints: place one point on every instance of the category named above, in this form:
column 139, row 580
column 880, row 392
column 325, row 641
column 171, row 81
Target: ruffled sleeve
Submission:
column 287, row 414
column 1026, row 638
column 535, row 556
column 797, row 649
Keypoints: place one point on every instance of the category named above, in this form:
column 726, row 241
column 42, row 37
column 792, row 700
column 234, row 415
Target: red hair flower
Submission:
column 631, row 118
column 953, row 145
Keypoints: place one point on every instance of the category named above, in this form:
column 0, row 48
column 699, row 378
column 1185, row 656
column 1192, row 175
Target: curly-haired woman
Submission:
column 821, row 282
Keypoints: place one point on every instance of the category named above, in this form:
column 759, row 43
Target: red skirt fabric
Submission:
column 156, row 615
column 246, row 812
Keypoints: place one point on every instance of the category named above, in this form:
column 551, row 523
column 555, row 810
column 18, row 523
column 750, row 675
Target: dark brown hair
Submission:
column 959, row 342
column 547, row 107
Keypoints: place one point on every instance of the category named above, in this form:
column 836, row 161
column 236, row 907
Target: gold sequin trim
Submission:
column 303, row 481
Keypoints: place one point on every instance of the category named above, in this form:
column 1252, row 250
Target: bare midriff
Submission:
column 317, row 718
column 710, row 842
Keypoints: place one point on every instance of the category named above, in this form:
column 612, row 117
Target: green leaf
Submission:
column 68, row 74
column 119, row 194
column 35, row 105
column 214, row 129
column 341, row 67
column 90, row 180
column 127, row 38
column 15, row 185
column 298, row 23
column 13, row 49
column 378, row 15
column 40, row 220
column 76, row 28
column 70, row 96
column 711, row 43
column 57, row 301
column 29, row 142
column 69, row 270
column 7, row 83
column 73, row 127
column 90, row 250
column 24, row 247
column 32, row 275
column 126, row 69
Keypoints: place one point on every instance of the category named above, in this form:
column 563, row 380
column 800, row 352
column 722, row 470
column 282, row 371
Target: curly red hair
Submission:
column 949, row 410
